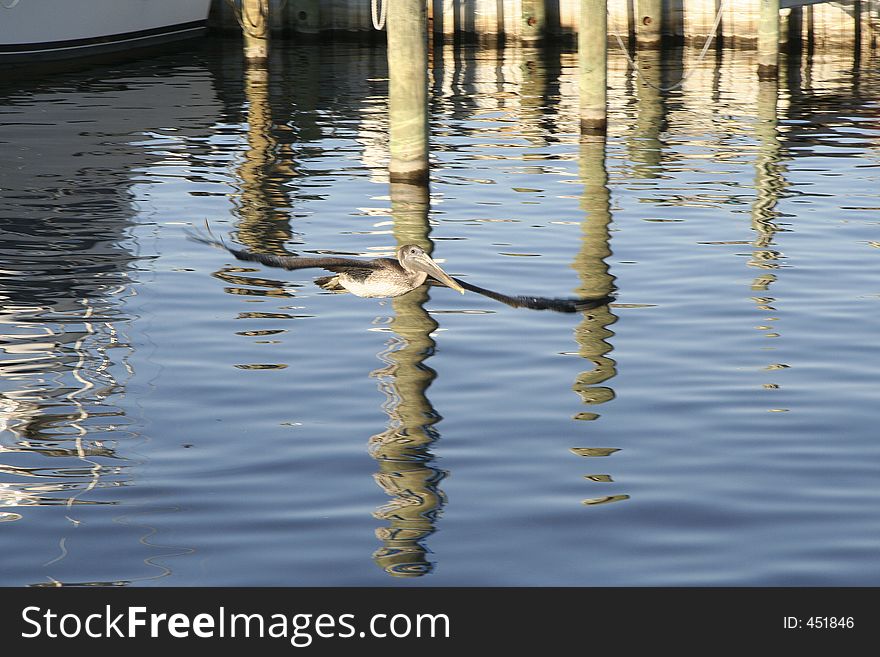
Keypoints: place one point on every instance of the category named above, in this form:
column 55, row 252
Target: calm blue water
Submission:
column 171, row 416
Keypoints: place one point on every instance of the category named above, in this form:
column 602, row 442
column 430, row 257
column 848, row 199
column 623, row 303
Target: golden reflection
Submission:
column 645, row 146
column 769, row 185
column 260, row 227
column 605, row 500
column 403, row 449
column 592, row 334
column 534, row 94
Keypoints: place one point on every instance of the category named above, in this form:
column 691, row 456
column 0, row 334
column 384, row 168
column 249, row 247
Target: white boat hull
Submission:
column 40, row 30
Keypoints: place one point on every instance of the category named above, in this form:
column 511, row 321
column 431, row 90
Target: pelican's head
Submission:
column 413, row 258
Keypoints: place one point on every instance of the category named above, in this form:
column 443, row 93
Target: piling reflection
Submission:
column 260, row 226
column 403, row 450
column 592, row 333
column 539, row 93
column 645, row 146
column 769, row 184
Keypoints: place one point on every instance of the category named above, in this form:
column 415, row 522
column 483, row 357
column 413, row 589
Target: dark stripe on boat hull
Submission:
column 55, row 50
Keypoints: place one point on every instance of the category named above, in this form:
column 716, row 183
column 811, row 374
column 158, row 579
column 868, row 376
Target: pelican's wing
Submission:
column 330, row 263
column 571, row 305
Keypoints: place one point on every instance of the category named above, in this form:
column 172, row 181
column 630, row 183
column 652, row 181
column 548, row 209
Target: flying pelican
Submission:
column 388, row 277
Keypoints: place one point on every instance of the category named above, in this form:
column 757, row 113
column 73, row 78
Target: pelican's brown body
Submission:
column 384, row 277
column 387, row 277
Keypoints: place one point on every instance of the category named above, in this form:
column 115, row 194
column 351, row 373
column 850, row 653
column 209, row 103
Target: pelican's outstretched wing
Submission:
column 291, row 262
column 571, row 305
column 352, row 266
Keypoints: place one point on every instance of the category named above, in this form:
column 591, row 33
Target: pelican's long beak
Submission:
column 427, row 265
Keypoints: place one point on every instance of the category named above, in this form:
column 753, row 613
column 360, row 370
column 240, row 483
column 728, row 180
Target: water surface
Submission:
column 171, row 416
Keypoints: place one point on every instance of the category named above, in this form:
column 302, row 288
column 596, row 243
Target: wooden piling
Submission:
column 255, row 26
column 649, row 23
column 768, row 40
column 838, row 24
column 304, row 16
column 443, row 16
column 534, row 20
column 407, row 27
column 593, row 66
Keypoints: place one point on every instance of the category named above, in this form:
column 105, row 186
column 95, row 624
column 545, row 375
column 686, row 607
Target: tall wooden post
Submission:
column 593, row 64
column 407, row 27
column 304, row 16
column 534, row 20
column 768, row 40
column 649, row 23
column 443, row 13
column 255, row 25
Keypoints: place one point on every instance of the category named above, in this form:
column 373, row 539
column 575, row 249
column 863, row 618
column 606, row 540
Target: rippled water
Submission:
column 171, row 416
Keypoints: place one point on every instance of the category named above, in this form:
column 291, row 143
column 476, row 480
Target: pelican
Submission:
column 387, row 277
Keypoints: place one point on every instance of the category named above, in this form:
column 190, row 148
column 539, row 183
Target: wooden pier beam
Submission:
column 768, row 40
column 304, row 16
column 593, row 66
column 649, row 23
column 534, row 20
column 407, row 27
column 443, row 16
column 255, row 26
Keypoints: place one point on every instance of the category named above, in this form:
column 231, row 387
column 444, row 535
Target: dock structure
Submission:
column 649, row 19
column 846, row 23
column 593, row 67
column 408, row 91
column 253, row 17
column 768, row 39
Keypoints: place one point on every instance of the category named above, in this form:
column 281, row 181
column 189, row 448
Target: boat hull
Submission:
column 33, row 31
